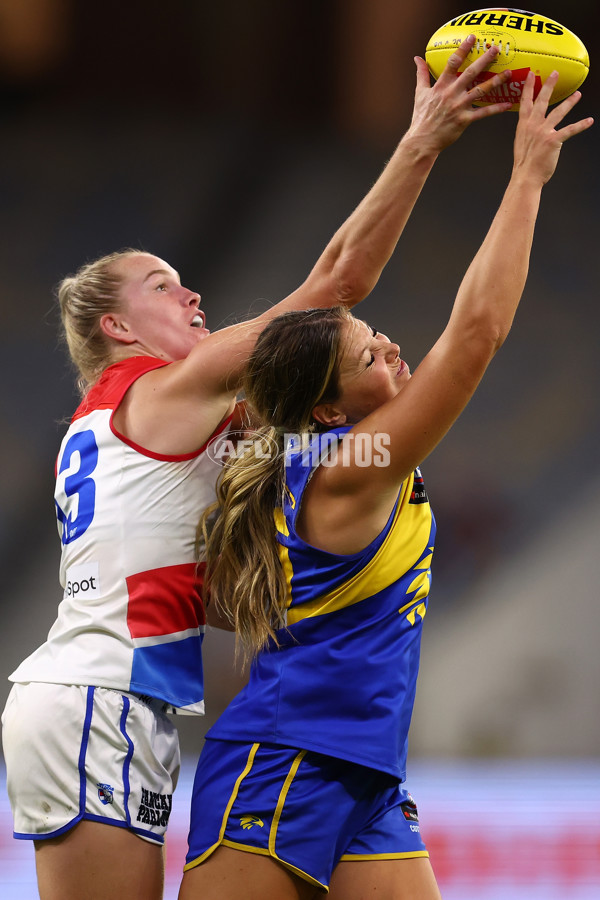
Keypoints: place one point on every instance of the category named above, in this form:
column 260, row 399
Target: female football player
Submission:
column 92, row 755
column 320, row 558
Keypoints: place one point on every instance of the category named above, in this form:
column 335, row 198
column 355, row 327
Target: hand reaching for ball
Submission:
column 442, row 112
column 538, row 140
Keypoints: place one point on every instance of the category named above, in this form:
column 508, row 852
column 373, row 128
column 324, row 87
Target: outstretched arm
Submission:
column 176, row 409
column 430, row 402
column 351, row 264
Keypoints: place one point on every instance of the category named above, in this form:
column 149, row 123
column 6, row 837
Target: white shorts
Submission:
column 75, row 752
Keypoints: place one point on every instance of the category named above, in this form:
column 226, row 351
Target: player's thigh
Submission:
column 386, row 879
column 230, row 874
column 94, row 861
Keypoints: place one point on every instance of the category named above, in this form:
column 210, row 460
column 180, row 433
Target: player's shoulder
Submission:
column 114, row 382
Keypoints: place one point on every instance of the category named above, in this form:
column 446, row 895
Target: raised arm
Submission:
column 177, row 408
column 351, row 264
column 423, row 411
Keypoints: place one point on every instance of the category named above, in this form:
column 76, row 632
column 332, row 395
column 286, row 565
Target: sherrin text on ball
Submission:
column 525, row 40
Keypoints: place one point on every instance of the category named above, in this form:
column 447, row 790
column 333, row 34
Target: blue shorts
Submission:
column 306, row 810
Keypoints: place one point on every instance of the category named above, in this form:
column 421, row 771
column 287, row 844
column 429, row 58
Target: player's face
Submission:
column 161, row 313
column 371, row 371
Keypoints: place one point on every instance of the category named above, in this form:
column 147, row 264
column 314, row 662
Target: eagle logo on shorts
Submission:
column 105, row 793
column 250, row 821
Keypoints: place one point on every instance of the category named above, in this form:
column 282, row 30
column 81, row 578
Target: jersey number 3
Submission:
column 78, row 485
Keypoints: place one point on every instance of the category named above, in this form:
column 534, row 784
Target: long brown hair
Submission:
column 294, row 366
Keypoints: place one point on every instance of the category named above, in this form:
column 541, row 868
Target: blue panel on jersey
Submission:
column 342, row 684
column 342, row 680
column 157, row 669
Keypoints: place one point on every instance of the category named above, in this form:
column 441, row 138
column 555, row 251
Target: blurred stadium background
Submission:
column 232, row 139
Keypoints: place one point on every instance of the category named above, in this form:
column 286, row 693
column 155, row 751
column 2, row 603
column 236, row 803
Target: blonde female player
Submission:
column 87, row 740
column 321, row 556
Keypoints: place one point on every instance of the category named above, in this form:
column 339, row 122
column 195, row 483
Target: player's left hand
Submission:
column 538, row 139
column 443, row 111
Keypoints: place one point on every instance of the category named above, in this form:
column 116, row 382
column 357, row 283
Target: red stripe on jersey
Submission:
column 165, row 600
column 114, row 382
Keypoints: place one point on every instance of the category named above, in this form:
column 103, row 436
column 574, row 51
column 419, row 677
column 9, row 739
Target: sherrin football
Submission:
column 525, row 40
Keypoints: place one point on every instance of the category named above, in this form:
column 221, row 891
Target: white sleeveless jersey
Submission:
column 131, row 617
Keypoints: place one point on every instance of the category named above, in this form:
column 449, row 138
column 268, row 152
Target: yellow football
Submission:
column 526, row 41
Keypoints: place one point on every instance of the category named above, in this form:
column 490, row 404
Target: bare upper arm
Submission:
column 342, row 522
column 162, row 418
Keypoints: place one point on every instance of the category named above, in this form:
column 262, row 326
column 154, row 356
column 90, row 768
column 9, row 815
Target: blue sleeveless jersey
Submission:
column 343, row 680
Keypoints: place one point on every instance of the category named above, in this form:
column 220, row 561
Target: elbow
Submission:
column 498, row 332
column 482, row 339
column 492, row 336
column 499, row 338
column 353, row 277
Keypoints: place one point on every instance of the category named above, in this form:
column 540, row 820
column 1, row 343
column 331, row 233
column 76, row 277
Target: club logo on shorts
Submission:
column 409, row 810
column 249, row 822
column 105, row 792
